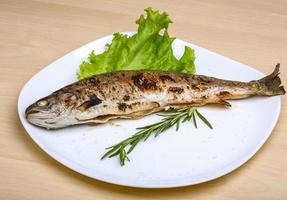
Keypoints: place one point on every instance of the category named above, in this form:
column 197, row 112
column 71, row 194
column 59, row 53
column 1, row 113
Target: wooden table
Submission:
column 35, row 33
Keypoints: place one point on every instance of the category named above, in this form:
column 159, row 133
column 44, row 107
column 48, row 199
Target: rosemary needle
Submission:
column 170, row 118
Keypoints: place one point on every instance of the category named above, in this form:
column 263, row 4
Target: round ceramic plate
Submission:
column 188, row 156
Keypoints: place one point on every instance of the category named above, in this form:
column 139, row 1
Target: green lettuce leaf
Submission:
column 147, row 49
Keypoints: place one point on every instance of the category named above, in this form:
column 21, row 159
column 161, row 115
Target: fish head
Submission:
column 54, row 111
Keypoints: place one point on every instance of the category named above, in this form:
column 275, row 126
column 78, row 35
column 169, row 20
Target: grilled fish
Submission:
column 134, row 94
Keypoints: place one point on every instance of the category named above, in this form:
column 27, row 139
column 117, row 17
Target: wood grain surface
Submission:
column 35, row 33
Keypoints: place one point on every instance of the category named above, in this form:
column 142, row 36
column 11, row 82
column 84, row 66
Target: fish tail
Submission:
column 271, row 85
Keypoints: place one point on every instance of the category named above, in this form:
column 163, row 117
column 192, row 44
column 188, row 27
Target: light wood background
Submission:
column 35, row 33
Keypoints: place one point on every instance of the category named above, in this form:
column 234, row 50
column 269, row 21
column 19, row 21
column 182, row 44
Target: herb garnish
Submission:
column 170, row 118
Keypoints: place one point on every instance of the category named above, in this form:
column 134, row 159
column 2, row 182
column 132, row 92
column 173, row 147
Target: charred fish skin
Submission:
column 134, row 94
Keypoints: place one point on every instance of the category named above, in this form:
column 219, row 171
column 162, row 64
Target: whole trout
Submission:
column 134, row 94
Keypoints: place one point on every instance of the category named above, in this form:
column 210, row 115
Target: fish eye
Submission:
column 42, row 103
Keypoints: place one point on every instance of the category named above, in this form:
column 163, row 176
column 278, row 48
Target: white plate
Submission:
column 174, row 159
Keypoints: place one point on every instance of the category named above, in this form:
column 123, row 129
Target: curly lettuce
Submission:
column 146, row 49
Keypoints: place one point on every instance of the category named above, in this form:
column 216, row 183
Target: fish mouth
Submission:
column 31, row 111
column 45, row 118
column 41, row 119
column 36, row 115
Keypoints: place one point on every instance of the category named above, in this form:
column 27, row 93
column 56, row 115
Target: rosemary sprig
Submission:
column 170, row 118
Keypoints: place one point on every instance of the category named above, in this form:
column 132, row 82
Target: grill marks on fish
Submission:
column 165, row 78
column 126, row 89
column 133, row 94
column 177, row 90
column 126, row 98
column 94, row 100
column 223, row 94
column 201, row 83
column 203, row 80
column 122, row 106
column 144, row 82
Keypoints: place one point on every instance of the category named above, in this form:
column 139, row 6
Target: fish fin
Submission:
column 270, row 85
column 223, row 102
